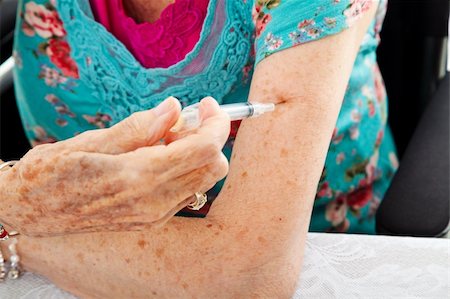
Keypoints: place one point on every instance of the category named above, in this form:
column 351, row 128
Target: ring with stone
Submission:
column 200, row 201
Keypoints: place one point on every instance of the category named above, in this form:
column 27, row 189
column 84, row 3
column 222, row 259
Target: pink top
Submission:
column 158, row 44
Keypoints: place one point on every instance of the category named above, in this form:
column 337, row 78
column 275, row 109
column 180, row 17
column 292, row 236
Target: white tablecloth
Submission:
column 335, row 266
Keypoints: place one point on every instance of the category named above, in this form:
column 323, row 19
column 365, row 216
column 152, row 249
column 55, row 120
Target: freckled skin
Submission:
column 142, row 243
column 80, row 257
column 265, row 207
column 262, row 240
column 84, row 184
column 159, row 252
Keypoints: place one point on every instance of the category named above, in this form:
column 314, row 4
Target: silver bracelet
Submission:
column 14, row 259
column 11, row 269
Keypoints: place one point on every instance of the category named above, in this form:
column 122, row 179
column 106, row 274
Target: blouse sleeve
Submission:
column 281, row 24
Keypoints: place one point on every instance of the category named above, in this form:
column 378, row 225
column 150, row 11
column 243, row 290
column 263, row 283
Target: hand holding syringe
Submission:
column 190, row 117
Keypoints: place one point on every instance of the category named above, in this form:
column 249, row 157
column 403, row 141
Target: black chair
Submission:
column 417, row 202
column 411, row 59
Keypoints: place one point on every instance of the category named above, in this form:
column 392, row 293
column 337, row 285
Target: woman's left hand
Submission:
column 115, row 179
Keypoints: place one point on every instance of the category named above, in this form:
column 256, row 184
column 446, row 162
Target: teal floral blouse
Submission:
column 72, row 75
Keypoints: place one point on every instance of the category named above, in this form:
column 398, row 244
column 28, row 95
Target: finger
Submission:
column 161, row 222
column 162, row 163
column 200, row 180
column 215, row 122
column 144, row 128
column 187, row 154
column 208, row 108
column 214, row 128
column 141, row 222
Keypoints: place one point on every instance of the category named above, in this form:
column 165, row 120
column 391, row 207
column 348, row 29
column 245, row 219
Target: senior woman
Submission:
column 85, row 64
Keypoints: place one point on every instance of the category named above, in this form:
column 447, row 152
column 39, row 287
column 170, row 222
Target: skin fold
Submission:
column 251, row 243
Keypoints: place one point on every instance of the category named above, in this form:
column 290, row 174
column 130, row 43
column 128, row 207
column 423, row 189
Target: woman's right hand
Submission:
column 118, row 178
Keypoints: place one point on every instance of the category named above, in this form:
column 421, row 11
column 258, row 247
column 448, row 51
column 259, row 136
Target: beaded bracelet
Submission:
column 12, row 269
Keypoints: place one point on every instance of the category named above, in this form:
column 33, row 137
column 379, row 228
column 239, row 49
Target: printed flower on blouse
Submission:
column 17, row 59
column 61, row 108
column 354, row 132
column 44, row 21
column 360, row 197
column 272, row 42
column 325, row 191
column 380, row 90
column 246, row 71
column 394, row 160
column 260, row 17
column 306, row 30
column 100, row 120
column 355, row 9
column 331, row 22
column 52, row 77
column 59, row 53
column 340, row 157
column 336, row 212
column 41, row 137
column 336, row 138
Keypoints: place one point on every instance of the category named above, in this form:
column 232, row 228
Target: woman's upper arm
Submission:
column 278, row 158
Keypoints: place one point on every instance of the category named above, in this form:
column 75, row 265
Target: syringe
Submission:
column 190, row 117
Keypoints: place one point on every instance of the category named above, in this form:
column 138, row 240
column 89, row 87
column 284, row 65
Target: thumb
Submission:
column 144, row 128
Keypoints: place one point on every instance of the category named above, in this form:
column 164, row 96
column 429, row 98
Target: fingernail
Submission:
column 167, row 105
column 208, row 106
column 209, row 101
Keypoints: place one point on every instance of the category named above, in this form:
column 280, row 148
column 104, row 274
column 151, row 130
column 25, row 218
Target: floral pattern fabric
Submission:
column 56, row 101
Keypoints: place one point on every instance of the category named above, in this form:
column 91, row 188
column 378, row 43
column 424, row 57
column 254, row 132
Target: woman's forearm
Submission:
column 187, row 258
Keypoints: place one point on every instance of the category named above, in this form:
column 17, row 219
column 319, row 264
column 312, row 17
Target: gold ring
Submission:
column 200, row 201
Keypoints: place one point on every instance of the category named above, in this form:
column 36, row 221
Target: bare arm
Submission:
column 251, row 243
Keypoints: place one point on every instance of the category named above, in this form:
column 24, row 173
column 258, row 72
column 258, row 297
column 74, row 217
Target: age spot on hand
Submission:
column 142, row 243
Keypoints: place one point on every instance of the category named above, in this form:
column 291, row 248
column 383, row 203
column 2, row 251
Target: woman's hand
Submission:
column 118, row 178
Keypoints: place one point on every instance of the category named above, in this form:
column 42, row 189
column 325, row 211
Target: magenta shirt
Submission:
column 158, row 44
